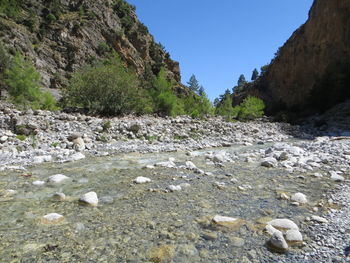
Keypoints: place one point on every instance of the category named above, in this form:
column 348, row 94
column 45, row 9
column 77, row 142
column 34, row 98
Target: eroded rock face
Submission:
column 80, row 32
column 311, row 72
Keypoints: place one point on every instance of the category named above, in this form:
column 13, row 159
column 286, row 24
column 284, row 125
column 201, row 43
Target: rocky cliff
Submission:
column 63, row 35
column 311, row 72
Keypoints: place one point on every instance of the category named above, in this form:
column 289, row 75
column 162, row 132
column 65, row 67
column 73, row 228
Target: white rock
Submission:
column 190, row 165
column 52, row 218
column 142, row 180
column 57, row 178
column 223, row 219
column 269, row 162
column 174, row 188
column 336, row 177
column 283, row 224
column 318, row 175
column 270, row 229
column 185, row 185
column 319, row 219
column 3, row 139
column 299, row 197
column 38, row 183
column 10, row 192
column 77, row 156
column 79, row 144
column 167, row 164
column 89, row 198
column 277, row 241
column 294, row 236
column 42, row 159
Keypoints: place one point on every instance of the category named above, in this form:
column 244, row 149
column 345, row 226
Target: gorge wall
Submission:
column 311, row 72
column 60, row 36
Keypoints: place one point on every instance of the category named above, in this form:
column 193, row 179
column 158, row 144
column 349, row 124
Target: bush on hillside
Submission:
column 107, row 88
column 165, row 100
column 23, row 84
column 198, row 106
column 251, row 108
column 11, row 8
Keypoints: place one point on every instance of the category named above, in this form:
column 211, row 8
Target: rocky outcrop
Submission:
column 61, row 36
column 311, row 72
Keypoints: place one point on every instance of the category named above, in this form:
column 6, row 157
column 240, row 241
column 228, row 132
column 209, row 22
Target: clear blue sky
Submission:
column 219, row 40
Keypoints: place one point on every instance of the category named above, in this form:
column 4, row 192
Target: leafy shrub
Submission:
column 5, row 63
column 251, row 108
column 23, row 82
column 21, row 137
column 124, row 10
column 51, row 18
column 103, row 49
column 198, row 106
column 225, row 108
column 107, row 88
column 11, row 8
column 165, row 101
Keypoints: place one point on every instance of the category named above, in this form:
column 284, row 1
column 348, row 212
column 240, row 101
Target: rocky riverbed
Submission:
column 148, row 189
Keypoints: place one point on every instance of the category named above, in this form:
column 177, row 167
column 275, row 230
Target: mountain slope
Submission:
column 62, row 36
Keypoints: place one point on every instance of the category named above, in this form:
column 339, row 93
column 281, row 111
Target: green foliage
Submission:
column 198, row 106
column 106, row 125
column 165, row 101
column 255, row 74
column 250, row 109
column 107, row 88
column 103, row 49
column 193, row 84
column 23, row 83
column 11, row 8
column 241, row 81
column 5, row 63
column 51, row 18
column 264, row 69
column 21, row 137
column 225, row 107
column 124, row 10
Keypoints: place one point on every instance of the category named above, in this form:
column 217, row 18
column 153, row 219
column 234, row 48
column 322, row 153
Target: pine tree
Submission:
column 193, row 84
column 201, row 91
column 255, row 74
column 241, row 81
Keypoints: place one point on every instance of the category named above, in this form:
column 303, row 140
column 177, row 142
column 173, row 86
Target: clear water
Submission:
column 133, row 224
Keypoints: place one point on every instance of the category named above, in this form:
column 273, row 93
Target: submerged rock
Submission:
column 299, row 197
column 319, row 219
column 142, row 180
column 269, row 162
column 57, row 178
column 52, row 218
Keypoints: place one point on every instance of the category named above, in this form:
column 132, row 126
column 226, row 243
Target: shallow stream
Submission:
column 145, row 223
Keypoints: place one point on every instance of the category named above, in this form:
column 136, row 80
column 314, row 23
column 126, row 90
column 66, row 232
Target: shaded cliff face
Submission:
column 311, row 71
column 63, row 35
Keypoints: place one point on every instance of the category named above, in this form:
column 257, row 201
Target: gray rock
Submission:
column 57, row 178
column 269, row 162
column 299, row 197
column 142, row 180
column 278, row 242
column 284, row 223
column 319, row 219
column 294, row 236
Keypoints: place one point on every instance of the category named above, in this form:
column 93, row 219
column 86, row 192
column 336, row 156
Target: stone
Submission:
column 277, row 242
column 76, row 156
column 59, row 196
column 162, row 254
column 57, row 178
column 299, row 197
column 38, row 183
column 283, row 224
column 79, row 144
column 89, row 199
column 52, row 218
column 167, row 164
column 42, row 159
column 318, row 175
column 210, row 235
column 237, row 241
column 230, row 222
column 294, row 236
column 3, row 139
column 269, row 162
column 142, row 180
column 319, row 219
column 284, row 196
column 270, row 229
column 336, row 177
column 174, row 188
column 74, row 136
column 190, row 165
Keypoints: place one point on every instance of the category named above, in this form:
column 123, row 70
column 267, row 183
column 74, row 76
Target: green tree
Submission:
column 5, row 63
column 165, row 101
column 264, row 69
column 11, row 8
column 23, row 83
column 251, row 108
column 201, row 91
column 255, row 74
column 225, row 107
column 193, row 84
column 107, row 88
column 241, row 81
